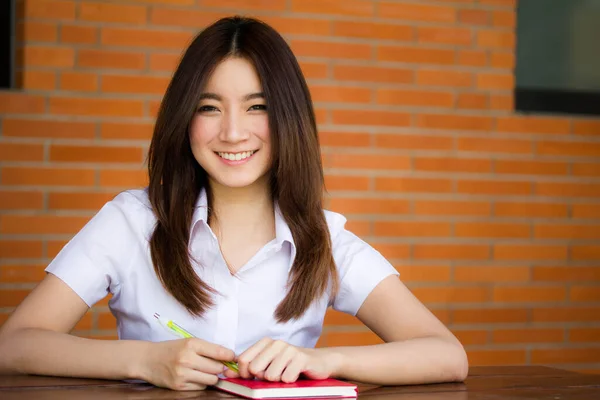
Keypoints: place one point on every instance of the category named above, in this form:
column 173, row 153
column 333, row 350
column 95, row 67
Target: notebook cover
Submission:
column 257, row 384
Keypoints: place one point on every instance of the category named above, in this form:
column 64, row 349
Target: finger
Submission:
column 198, row 378
column 247, row 356
column 230, row 374
column 211, row 350
column 293, row 370
column 262, row 361
column 279, row 363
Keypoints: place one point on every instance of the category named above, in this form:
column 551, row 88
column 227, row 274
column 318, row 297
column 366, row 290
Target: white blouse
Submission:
column 111, row 254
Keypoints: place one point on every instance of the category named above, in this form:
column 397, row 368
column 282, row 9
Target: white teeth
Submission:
column 236, row 156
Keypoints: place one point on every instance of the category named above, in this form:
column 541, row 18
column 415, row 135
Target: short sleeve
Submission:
column 92, row 262
column 360, row 268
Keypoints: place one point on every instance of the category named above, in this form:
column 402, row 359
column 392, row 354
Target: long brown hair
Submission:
column 297, row 183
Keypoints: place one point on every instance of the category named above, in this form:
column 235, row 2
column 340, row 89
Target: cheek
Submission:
column 261, row 129
column 202, row 131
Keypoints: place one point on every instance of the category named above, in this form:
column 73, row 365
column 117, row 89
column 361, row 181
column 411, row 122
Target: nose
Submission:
column 233, row 129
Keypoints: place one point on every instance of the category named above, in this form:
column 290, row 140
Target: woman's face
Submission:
column 229, row 133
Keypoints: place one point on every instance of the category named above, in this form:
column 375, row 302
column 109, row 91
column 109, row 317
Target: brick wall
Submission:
column 492, row 218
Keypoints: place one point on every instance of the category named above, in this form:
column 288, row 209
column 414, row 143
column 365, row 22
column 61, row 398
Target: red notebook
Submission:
column 259, row 389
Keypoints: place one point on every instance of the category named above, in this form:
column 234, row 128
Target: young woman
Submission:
column 231, row 242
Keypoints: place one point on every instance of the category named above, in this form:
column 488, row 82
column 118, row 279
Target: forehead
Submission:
column 234, row 76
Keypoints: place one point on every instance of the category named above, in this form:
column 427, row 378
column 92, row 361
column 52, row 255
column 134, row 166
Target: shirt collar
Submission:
column 282, row 230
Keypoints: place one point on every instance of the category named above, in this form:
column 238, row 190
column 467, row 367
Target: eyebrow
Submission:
column 214, row 96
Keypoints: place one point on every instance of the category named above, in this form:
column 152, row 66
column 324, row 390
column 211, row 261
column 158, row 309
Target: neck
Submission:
column 243, row 209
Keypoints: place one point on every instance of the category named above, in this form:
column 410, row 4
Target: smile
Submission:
column 236, row 156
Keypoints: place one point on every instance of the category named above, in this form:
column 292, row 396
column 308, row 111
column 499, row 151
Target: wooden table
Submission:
column 483, row 383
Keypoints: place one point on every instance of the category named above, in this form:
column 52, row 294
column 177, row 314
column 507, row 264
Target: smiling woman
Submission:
column 230, row 240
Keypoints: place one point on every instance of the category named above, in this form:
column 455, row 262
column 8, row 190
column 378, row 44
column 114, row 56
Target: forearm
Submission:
column 42, row 352
column 415, row 361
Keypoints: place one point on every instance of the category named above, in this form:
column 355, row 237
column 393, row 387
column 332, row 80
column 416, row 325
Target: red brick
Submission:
column 21, row 152
column 369, row 161
column 126, row 131
column 564, row 231
column 106, row 321
column 496, row 357
column 102, row 107
column 529, row 335
column 340, row 94
column 119, row 13
column 346, row 182
column 355, row 8
column 453, row 208
column 18, row 103
column 344, row 139
column 373, row 30
column 393, row 251
column 355, row 51
column 37, row 56
column 556, row 148
column 444, row 294
column 496, row 39
column 498, row 188
column 123, row 178
column 489, row 316
column 372, row 74
column 530, row 210
column 134, row 84
column 468, row 338
column 93, row 58
column 368, row 117
column 112, row 36
column 448, row 165
column 54, row 247
column 369, row 206
column 491, row 230
column 95, row 154
column 351, row 338
column 444, row 35
column 79, row 81
column 417, row 55
column 333, row 317
column 565, row 314
column 12, row 298
column 586, row 127
column 567, row 189
column 584, row 334
column 411, row 229
column 529, row 252
column 37, row 80
column 20, row 248
column 502, row 102
column 524, row 294
column 502, row 60
column 533, row 125
column 414, row 142
column 504, row 19
column 13, row 200
column 565, row 356
column 414, row 185
column 415, row 98
column 359, row 228
column 424, row 273
column 164, row 61
column 451, row 251
column 472, row 101
column 565, row 274
column 586, row 169
column 439, row 77
column 47, row 128
column 495, row 81
column 500, row 3
column 530, row 167
column 314, row 70
column 36, row 32
column 298, row 26
column 44, row 176
column 416, row 12
column 454, row 122
column 22, row 273
column 49, row 9
column 585, row 211
column 78, row 201
column 85, row 323
column 472, row 58
column 473, row 17
column 78, row 34
column 47, row 224
column 491, row 274
column 584, row 293
column 183, row 17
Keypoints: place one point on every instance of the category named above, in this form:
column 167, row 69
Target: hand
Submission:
column 186, row 364
column 276, row 360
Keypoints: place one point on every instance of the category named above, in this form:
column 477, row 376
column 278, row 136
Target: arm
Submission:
column 35, row 339
column 418, row 348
